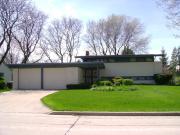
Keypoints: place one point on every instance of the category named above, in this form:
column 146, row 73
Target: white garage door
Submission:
column 30, row 78
column 58, row 78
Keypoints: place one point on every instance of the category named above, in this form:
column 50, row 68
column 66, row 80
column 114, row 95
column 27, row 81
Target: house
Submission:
column 141, row 68
column 6, row 73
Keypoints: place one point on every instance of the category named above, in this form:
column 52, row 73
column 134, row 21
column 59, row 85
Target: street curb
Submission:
column 115, row 113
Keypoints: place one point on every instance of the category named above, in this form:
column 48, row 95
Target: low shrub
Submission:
column 94, row 85
column 2, row 84
column 128, row 82
column 9, row 85
column 118, row 82
column 2, row 78
column 104, row 88
column 115, row 88
column 78, row 86
column 177, row 81
column 162, row 79
column 104, row 83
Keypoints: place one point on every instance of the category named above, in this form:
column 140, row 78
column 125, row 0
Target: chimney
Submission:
column 87, row 53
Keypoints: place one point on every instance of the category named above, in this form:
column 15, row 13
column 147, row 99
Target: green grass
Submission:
column 147, row 98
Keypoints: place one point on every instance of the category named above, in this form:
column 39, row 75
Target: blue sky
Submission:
column 147, row 11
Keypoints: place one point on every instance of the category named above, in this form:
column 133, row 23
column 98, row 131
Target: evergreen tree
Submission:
column 127, row 51
column 178, row 58
column 174, row 60
column 164, row 58
column 178, row 55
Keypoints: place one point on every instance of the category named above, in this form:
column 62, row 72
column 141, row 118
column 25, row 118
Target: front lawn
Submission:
column 147, row 98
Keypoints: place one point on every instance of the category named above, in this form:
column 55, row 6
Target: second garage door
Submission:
column 58, row 78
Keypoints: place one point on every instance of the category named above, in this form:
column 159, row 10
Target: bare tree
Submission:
column 10, row 14
column 113, row 34
column 13, row 56
column 71, row 31
column 53, row 43
column 29, row 32
column 172, row 8
column 91, row 38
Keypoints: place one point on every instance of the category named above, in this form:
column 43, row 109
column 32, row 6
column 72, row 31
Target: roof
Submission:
column 58, row 65
column 118, row 56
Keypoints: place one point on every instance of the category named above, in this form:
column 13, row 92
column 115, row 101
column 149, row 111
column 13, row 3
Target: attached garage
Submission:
column 49, row 75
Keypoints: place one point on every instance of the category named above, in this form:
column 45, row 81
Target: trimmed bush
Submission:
column 104, row 88
column 118, row 82
column 9, row 85
column 104, row 83
column 78, row 86
column 2, row 78
column 94, row 85
column 128, row 82
column 115, row 88
column 177, row 81
column 163, row 78
column 2, row 84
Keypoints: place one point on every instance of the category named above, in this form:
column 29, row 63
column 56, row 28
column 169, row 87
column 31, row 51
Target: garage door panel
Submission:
column 30, row 78
column 58, row 78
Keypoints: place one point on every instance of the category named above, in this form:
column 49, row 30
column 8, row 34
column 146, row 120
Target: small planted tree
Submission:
column 164, row 60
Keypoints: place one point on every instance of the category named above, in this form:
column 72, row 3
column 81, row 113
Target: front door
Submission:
column 91, row 75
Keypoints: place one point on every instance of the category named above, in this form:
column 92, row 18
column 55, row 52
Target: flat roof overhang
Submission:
column 118, row 56
column 84, row 65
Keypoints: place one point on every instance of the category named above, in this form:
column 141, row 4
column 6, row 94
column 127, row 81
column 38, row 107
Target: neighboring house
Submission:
column 141, row 68
column 6, row 73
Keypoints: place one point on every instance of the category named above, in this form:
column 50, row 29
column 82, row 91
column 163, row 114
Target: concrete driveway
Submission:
column 23, row 101
column 21, row 113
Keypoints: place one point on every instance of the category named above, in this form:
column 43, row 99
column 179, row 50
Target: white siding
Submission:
column 58, row 78
column 131, row 69
column 80, row 75
column 30, row 78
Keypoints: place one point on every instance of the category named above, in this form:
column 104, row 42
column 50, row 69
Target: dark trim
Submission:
column 119, row 56
column 42, row 78
column 84, row 65
column 18, row 78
